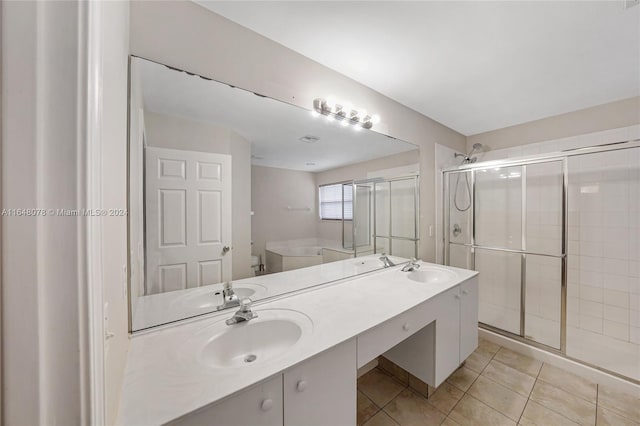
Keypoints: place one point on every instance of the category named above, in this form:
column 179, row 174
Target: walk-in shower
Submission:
column 556, row 241
column 385, row 216
column 466, row 188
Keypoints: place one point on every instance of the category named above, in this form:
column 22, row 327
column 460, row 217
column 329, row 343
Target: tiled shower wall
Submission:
column 603, row 312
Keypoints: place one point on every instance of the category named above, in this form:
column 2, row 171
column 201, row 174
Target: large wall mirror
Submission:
column 227, row 186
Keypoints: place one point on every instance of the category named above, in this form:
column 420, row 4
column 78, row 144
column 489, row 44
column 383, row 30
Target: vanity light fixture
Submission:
column 344, row 113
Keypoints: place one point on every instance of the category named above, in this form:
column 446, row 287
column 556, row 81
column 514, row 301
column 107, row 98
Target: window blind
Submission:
column 331, row 202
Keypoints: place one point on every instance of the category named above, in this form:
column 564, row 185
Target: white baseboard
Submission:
column 571, row 366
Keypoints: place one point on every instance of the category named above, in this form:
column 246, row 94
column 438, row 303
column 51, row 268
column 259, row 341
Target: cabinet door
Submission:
column 322, row 390
column 447, row 346
column 260, row 405
column 468, row 317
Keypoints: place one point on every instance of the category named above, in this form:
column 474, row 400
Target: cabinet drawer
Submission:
column 380, row 339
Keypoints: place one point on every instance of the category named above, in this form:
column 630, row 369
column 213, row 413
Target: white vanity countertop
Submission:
column 163, row 308
column 161, row 385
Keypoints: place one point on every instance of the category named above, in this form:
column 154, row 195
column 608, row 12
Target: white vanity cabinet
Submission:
column 319, row 391
column 427, row 329
column 322, row 390
column 447, row 334
column 259, row 405
column 468, row 318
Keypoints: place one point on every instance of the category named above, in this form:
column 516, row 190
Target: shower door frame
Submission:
column 374, row 234
column 471, row 168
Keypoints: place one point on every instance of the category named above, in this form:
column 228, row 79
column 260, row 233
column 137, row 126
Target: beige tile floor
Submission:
column 496, row 386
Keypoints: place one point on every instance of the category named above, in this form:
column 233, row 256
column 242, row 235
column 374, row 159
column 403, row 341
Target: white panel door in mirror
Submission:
column 188, row 219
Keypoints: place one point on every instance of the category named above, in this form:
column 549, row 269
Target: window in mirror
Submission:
column 334, row 199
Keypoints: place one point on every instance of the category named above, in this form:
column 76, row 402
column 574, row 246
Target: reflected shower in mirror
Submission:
column 227, row 186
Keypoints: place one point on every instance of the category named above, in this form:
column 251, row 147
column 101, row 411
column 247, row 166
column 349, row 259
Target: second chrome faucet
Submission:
column 243, row 314
column 411, row 266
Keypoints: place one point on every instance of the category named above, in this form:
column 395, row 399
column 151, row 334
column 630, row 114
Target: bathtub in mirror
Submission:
column 226, row 185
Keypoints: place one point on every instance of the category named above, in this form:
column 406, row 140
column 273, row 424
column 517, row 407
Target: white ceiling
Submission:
column 473, row 66
column 272, row 127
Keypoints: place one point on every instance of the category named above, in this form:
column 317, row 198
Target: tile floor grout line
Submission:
column 549, row 408
column 597, row 395
column 465, row 392
column 531, row 391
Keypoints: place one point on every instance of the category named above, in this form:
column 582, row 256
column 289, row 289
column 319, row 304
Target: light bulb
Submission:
column 375, row 119
column 344, row 123
column 331, row 102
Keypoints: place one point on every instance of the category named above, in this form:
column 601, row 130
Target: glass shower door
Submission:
column 458, row 214
column 498, row 240
column 543, row 261
column 396, row 217
column 507, row 223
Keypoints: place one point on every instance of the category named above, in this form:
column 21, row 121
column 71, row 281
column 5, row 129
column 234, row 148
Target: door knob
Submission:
column 301, row 386
column 225, row 250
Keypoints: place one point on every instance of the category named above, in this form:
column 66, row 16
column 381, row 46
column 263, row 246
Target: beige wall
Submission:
column 272, row 191
column 361, row 170
column 603, row 117
column 187, row 36
column 165, row 131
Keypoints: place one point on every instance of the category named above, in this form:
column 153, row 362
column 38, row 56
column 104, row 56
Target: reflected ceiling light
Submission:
column 309, row 139
column 590, row 189
column 345, row 113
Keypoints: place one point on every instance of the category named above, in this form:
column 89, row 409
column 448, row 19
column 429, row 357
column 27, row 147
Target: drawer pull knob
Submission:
column 457, row 296
column 301, row 386
column 267, row 404
column 406, row 326
column 465, row 291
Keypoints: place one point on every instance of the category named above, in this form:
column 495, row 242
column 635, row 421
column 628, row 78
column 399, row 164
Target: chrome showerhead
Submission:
column 476, row 148
column 468, row 158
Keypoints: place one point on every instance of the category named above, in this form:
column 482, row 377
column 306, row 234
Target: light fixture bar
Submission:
column 340, row 113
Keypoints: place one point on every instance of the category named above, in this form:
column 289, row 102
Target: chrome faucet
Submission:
column 386, row 262
column 243, row 314
column 411, row 266
column 229, row 297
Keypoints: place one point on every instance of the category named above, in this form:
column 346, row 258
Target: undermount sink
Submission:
column 273, row 333
column 431, row 275
column 211, row 296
